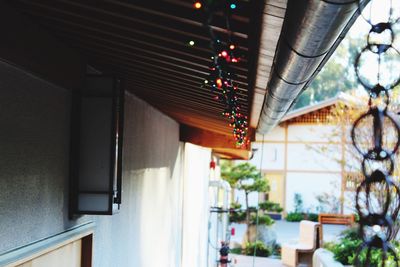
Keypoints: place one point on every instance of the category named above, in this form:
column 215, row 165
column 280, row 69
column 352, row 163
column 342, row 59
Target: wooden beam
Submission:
column 232, row 154
column 206, row 138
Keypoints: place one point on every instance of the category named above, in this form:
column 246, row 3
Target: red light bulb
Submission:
column 224, row 53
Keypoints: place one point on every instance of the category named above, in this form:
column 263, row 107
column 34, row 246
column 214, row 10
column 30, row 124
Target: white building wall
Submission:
column 156, row 217
column 272, row 155
column 309, row 185
column 313, row 133
column 195, row 206
column 314, row 157
column 277, row 134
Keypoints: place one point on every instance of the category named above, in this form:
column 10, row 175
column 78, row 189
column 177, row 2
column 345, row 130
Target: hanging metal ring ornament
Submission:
column 377, row 152
column 377, row 196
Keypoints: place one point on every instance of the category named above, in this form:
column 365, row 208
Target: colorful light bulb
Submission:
column 219, row 82
column 198, row 5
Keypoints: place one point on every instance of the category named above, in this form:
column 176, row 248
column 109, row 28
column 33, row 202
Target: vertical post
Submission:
column 285, row 166
column 342, row 165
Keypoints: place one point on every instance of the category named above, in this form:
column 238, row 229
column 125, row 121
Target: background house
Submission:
column 307, row 154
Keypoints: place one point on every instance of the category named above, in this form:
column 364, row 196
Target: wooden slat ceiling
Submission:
column 146, row 43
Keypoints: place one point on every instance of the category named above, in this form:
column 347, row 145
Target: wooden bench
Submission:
column 336, row 219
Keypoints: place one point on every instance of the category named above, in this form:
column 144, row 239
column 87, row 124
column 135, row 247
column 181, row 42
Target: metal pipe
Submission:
column 311, row 32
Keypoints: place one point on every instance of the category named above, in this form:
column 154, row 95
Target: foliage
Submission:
column 270, row 206
column 294, row 217
column 237, row 216
column 345, row 250
column 244, row 177
column 328, row 202
column 261, row 249
column 337, row 75
column 236, row 206
column 312, row 217
column 298, row 203
column 236, row 250
column 276, row 249
column 262, row 219
column 237, row 175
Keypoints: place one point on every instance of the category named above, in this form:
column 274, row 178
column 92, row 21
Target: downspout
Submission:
column 311, row 32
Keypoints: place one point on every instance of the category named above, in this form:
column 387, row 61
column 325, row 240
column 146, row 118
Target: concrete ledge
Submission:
column 40, row 247
column 324, row 258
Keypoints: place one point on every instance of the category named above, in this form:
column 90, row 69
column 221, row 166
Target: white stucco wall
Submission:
column 195, row 206
column 155, row 217
column 314, row 157
column 309, row 185
column 272, row 155
column 313, row 133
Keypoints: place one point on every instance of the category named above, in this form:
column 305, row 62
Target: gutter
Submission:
column 311, row 32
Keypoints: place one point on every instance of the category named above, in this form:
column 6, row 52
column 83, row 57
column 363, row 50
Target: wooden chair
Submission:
column 310, row 240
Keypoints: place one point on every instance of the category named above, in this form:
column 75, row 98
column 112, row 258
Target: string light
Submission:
column 197, row 5
column 222, row 76
column 191, row 43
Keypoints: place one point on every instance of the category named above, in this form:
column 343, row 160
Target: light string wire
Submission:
column 258, row 202
column 222, row 76
column 378, row 195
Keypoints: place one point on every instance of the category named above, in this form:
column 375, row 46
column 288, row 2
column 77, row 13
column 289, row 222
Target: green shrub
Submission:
column 262, row 220
column 270, row 206
column 237, row 216
column 345, row 250
column 294, row 217
column 276, row 249
column 236, row 206
column 252, row 209
column 312, row 217
column 298, row 203
column 236, row 250
column 261, row 249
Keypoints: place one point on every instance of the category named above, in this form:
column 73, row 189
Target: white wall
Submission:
column 195, row 206
column 309, row 185
column 313, row 133
column 272, row 155
column 148, row 230
column 314, row 157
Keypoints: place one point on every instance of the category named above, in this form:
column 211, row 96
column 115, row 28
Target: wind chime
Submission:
column 376, row 136
column 222, row 76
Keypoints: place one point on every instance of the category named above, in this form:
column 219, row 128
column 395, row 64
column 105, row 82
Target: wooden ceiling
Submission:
column 146, row 43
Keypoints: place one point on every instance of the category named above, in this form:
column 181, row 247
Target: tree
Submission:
column 337, row 75
column 244, row 177
column 342, row 116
